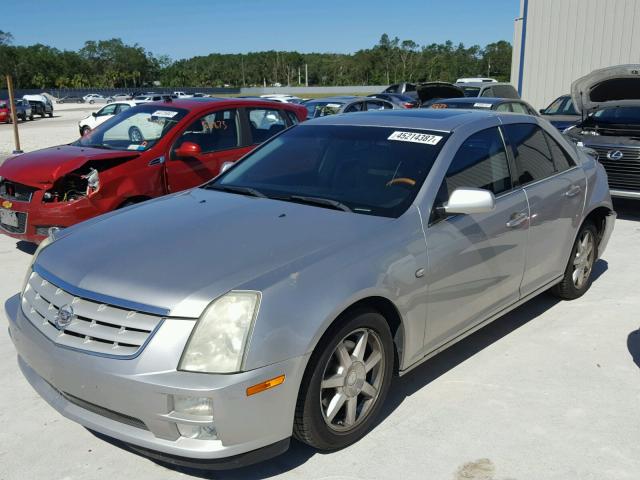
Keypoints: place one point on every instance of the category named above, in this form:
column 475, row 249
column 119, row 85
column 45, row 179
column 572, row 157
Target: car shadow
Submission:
column 633, row 344
column 401, row 388
column 627, row 208
column 26, row 247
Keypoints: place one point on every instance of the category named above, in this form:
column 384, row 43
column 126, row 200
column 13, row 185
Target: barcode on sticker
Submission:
column 414, row 137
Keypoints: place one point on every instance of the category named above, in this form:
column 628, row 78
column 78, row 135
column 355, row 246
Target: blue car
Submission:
column 485, row 103
column 561, row 113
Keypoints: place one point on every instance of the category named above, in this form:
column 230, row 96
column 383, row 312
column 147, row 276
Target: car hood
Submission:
column 178, row 253
column 434, row 90
column 41, row 168
column 607, row 87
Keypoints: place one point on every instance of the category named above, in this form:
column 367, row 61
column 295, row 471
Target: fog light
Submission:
column 199, row 432
column 193, row 406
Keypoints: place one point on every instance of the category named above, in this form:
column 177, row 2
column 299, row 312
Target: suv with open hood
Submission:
column 609, row 102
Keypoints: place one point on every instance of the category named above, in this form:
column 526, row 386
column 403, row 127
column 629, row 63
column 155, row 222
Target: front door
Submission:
column 218, row 136
column 555, row 189
column 476, row 261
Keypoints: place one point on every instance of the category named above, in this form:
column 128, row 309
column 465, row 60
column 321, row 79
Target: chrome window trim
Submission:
column 98, row 297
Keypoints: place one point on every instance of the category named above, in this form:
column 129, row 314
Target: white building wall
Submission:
column 566, row 39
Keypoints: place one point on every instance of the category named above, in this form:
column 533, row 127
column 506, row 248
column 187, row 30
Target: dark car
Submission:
column 71, row 99
column 609, row 101
column 403, row 87
column 488, row 89
column 399, row 99
column 496, row 104
column 40, row 105
column 561, row 113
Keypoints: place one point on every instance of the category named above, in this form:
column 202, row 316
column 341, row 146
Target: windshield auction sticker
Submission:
column 414, row 137
column 164, row 113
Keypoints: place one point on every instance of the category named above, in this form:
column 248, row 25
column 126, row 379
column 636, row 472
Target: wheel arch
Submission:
column 598, row 216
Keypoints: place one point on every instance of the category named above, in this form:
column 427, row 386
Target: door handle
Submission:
column 517, row 219
column 573, row 191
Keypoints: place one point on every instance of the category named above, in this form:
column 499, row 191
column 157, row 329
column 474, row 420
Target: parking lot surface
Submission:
column 550, row 391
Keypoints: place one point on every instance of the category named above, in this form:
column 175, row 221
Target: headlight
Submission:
column 43, row 244
column 218, row 341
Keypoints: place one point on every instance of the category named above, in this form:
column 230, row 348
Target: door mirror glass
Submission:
column 226, row 166
column 188, row 150
column 94, row 114
column 470, row 200
column 543, row 111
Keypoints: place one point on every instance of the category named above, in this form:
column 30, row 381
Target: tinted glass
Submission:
column 561, row 158
column 374, row 105
column 321, row 109
column 481, row 162
column 293, row 119
column 504, row 91
column 355, row 107
column 616, row 115
column 360, row 167
column 108, row 110
column 265, row 123
column 122, row 108
column 488, row 93
column 568, row 109
column 532, row 155
column 214, row 132
column 471, row 91
column 555, row 107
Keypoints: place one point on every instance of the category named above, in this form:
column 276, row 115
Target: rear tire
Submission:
column 50, row 115
column 31, row 117
column 346, row 382
column 577, row 276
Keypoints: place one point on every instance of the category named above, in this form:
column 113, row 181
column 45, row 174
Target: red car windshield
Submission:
column 137, row 129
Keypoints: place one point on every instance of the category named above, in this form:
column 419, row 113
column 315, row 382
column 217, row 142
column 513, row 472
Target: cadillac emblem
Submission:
column 64, row 317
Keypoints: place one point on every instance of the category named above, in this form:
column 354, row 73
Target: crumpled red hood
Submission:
column 41, row 168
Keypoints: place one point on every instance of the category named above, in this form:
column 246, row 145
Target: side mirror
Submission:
column 542, row 111
column 226, row 166
column 470, row 200
column 188, row 150
column 94, row 114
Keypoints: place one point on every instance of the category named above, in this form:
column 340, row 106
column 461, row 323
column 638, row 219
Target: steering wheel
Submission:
column 402, row 180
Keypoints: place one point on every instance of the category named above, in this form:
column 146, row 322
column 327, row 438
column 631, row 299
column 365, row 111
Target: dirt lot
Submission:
column 550, row 391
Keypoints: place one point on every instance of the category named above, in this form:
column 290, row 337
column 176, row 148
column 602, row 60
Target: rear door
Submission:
column 218, row 134
column 555, row 188
column 476, row 261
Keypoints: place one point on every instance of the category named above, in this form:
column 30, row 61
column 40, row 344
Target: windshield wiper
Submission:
column 321, row 202
column 236, row 189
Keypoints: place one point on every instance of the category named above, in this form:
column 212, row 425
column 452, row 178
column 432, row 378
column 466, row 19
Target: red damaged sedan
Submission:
column 144, row 152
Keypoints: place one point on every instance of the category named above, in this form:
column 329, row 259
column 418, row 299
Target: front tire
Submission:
column 346, row 382
column 577, row 276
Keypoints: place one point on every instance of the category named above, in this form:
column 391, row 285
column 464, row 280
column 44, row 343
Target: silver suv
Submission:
column 279, row 299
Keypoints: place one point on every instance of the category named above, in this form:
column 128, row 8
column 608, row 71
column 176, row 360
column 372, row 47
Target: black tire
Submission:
column 50, row 115
column 31, row 117
column 42, row 114
column 24, row 117
column 310, row 424
column 91, row 102
column 569, row 288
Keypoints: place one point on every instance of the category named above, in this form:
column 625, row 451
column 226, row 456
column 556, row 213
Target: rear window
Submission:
column 471, row 91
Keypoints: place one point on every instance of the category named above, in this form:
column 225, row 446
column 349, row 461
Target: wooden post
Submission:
column 14, row 117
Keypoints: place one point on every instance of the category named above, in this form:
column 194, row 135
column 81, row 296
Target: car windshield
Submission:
column 364, row 170
column 616, row 115
column 471, row 91
column 321, row 109
column 138, row 128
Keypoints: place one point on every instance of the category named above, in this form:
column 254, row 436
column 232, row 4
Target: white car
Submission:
column 182, row 95
column 94, row 98
column 476, row 80
column 105, row 113
column 282, row 98
column 148, row 98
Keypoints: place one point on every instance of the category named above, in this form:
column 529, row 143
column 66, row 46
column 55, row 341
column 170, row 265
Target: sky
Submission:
column 199, row 27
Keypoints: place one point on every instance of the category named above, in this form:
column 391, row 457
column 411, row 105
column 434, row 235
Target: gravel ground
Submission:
column 550, row 391
column 45, row 132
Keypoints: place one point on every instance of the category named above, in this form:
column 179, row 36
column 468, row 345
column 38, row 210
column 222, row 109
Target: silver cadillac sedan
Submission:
column 209, row 327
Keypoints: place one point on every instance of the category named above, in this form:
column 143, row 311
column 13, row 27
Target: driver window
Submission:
column 108, row 110
column 356, row 107
column 214, row 132
column 481, row 162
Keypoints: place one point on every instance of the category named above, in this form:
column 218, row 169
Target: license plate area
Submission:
column 9, row 218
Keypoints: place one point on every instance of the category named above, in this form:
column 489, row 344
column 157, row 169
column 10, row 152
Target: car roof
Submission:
column 472, row 100
column 425, row 119
column 482, row 84
column 204, row 103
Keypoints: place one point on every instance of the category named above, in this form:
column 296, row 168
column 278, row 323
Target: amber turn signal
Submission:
column 261, row 387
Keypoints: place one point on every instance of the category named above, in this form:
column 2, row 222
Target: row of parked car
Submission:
column 278, row 295
column 26, row 107
column 140, row 97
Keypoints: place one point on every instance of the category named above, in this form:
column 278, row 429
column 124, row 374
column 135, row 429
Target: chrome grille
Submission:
column 95, row 327
column 624, row 173
column 15, row 191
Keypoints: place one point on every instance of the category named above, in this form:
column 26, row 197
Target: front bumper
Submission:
column 131, row 400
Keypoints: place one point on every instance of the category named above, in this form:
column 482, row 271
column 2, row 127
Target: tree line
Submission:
column 114, row 64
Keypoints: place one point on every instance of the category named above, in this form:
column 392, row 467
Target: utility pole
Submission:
column 299, row 78
column 242, row 67
column 14, row 117
column 306, row 75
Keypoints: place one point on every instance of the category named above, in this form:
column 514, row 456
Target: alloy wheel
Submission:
column 352, row 379
column 584, row 259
